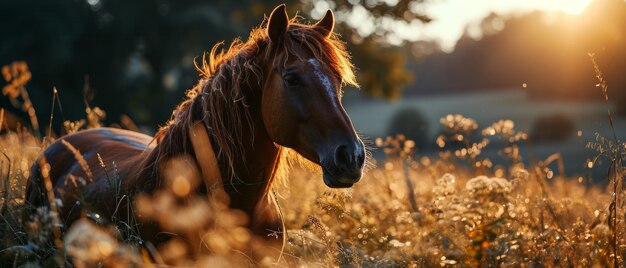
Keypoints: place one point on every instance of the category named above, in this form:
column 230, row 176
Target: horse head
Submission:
column 301, row 99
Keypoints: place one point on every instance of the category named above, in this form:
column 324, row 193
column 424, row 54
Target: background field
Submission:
column 411, row 210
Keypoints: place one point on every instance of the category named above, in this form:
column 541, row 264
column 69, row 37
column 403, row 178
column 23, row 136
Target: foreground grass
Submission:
column 456, row 209
column 519, row 220
column 438, row 212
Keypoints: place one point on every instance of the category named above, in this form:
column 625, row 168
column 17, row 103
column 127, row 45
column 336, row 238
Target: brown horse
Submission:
column 281, row 88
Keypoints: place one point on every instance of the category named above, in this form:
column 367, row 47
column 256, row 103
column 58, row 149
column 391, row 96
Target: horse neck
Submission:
column 254, row 170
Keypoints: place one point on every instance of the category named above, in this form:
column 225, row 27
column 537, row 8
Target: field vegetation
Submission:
column 454, row 209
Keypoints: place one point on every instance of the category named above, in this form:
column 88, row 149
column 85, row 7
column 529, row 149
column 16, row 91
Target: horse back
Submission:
column 90, row 168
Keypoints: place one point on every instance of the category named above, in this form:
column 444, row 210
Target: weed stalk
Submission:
column 7, row 185
column 616, row 163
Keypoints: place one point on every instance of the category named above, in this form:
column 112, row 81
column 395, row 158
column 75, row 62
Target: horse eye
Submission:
column 291, row 80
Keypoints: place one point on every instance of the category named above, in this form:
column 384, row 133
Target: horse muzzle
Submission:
column 344, row 166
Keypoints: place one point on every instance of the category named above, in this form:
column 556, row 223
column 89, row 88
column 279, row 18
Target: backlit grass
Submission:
column 457, row 208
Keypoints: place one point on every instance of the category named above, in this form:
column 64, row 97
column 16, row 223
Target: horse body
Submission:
column 106, row 190
column 89, row 183
column 280, row 89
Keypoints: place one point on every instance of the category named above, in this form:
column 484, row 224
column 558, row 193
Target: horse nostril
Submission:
column 360, row 159
column 342, row 156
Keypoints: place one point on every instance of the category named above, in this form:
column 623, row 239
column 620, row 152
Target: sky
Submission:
column 450, row 17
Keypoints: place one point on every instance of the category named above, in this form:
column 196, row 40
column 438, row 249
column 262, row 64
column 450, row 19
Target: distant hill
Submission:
column 547, row 52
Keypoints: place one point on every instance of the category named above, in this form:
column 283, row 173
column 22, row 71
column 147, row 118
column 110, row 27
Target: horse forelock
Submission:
column 327, row 50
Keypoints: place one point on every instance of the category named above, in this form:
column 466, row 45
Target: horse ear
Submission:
column 277, row 25
column 326, row 24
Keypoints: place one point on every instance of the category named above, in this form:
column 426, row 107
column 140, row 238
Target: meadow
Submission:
column 457, row 209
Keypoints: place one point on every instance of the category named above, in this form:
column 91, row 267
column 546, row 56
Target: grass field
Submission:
column 453, row 209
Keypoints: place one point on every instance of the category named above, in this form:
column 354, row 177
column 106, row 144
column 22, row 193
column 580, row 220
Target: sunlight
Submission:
column 573, row 7
column 450, row 17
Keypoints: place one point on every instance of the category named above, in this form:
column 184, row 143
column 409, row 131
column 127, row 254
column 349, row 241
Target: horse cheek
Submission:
column 275, row 119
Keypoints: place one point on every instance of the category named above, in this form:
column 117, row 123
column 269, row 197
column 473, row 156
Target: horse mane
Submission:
column 228, row 80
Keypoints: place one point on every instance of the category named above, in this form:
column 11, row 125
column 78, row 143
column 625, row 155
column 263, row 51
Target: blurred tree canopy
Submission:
column 555, row 127
column 411, row 123
column 382, row 67
column 137, row 57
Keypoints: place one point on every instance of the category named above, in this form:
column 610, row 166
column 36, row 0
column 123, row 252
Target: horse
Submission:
column 279, row 91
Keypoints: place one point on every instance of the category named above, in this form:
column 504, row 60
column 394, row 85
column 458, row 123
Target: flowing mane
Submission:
column 228, row 78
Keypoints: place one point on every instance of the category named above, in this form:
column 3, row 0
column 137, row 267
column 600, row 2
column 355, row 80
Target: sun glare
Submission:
column 574, row 7
column 452, row 16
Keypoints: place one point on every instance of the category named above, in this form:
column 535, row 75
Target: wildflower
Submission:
column 502, row 127
column 95, row 116
column 519, row 173
column 181, row 176
column 458, row 124
column 40, row 228
column 445, row 185
column 396, row 244
column 73, row 126
column 91, row 246
column 602, row 233
column 483, row 185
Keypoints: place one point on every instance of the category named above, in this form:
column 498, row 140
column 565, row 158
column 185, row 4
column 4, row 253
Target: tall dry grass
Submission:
column 454, row 209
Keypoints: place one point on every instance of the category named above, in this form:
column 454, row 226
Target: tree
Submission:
column 557, row 127
column 130, row 52
column 549, row 56
column 382, row 65
column 411, row 123
column 127, row 52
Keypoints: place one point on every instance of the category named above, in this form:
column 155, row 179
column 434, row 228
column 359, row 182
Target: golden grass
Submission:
column 455, row 209
column 454, row 213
